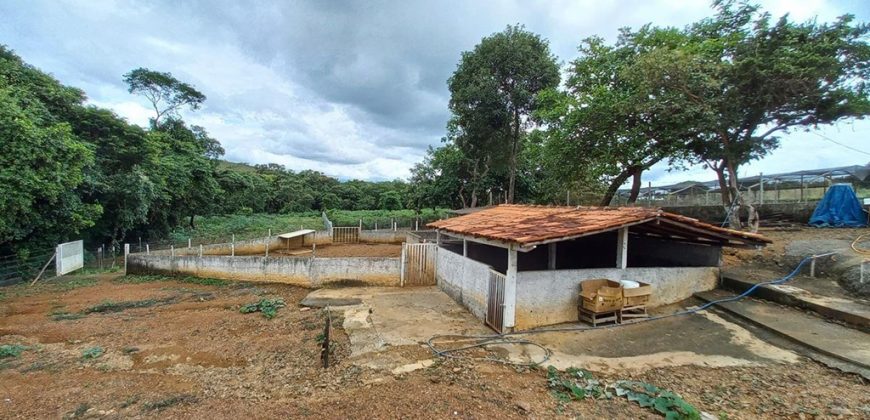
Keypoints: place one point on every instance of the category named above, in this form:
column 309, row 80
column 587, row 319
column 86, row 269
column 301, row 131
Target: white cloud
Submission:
column 356, row 90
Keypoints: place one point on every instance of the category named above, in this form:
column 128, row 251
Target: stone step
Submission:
column 830, row 339
column 849, row 311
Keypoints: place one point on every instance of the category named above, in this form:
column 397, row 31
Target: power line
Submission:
column 841, row 144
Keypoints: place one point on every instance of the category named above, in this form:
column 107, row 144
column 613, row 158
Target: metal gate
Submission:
column 495, row 301
column 418, row 264
column 345, row 234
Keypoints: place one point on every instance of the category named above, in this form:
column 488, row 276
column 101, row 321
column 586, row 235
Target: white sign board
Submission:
column 70, row 257
column 867, row 201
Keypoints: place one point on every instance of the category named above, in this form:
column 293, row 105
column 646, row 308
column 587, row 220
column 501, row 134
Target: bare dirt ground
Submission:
column 180, row 348
column 345, row 250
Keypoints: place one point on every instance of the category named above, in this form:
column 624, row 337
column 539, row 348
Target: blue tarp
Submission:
column 839, row 208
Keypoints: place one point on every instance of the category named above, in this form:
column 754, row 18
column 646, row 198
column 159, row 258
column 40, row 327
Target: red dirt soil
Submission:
column 192, row 354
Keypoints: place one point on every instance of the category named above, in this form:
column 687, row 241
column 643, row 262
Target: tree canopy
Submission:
column 166, row 93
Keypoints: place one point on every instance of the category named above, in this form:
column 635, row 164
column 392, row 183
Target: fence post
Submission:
column 188, row 243
column 416, row 224
column 360, row 224
column 270, row 232
column 140, row 244
column 376, row 225
column 200, row 250
column 233, row 246
column 126, row 252
column 395, row 225
column 402, row 268
column 100, row 256
column 172, row 250
column 147, row 249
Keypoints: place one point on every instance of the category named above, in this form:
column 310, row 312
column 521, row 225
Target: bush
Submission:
column 268, row 307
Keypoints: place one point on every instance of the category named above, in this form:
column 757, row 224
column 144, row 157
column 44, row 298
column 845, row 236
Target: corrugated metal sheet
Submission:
column 528, row 225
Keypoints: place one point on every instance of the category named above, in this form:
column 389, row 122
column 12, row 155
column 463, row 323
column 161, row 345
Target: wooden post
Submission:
column 622, row 249
column 551, row 256
column 53, row 256
column 324, row 349
column 510, row 290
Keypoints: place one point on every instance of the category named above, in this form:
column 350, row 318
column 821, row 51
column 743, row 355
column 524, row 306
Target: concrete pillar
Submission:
column 622, row 249
column 188, row 243
column 233, row 246
column 464, row 248
column 551, row 256
column 510, row 290
column 200, row 250
column 147, row 250
column 172, row 250
column 438, row 238
column 126, row 252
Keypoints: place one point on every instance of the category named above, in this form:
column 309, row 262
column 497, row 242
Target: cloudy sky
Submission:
column 353, row 89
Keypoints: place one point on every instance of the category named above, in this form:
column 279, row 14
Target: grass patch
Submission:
column 65, row 316
column 268, row 307
column 109, row 306
column 152, row 278
column 11, row 350
column 168, row 402
column 80, row 411
column 93, row 353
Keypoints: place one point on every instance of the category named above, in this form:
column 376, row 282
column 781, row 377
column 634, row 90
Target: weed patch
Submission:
column 579, row 384
column 11, row 350
column 268, row 307
column 93, row 353
column 112, row 306
column 65, row 316
column 151, row 278
column 168, row 402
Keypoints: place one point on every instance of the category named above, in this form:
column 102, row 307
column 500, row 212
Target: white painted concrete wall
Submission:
column 464, row 279
column 307, row 272
column 551, row 297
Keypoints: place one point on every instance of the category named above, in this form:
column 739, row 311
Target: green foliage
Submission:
column 492, row 98
column 574, row 384
column 92, row 352
column 666, row 403
column 109, row 306
column 11, row 350
column 61, row 315
column 268, row 307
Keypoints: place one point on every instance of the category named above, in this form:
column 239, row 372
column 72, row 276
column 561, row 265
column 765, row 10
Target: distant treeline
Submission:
column 70, row 170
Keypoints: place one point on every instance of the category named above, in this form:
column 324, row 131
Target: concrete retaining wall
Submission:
column 306, row 272
column 383, row 236
column 551, row 297
column 463, row 279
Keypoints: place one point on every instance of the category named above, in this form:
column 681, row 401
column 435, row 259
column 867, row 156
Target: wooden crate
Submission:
column 596, row 318
column 601, row 295
column 629, row 314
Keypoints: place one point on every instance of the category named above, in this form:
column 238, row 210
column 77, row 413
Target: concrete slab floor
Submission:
column 410, row 316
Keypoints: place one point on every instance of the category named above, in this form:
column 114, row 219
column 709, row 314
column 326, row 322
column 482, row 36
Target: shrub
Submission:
column 268, row 307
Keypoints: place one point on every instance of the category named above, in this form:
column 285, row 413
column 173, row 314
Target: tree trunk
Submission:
column 512, row 170
column 737, row 199
column 192, row 225
column 614, row 186
column 635, row 185
column 723, row 185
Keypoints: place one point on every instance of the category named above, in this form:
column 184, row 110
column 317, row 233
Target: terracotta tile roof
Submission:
column 530, row 225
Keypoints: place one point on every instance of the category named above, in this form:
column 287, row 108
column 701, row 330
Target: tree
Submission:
column 493, row 95
column 166, row 93
column 754, row 79
column 611, row 122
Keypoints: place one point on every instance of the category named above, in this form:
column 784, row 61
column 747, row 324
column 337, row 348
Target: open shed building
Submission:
column 519, row 267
